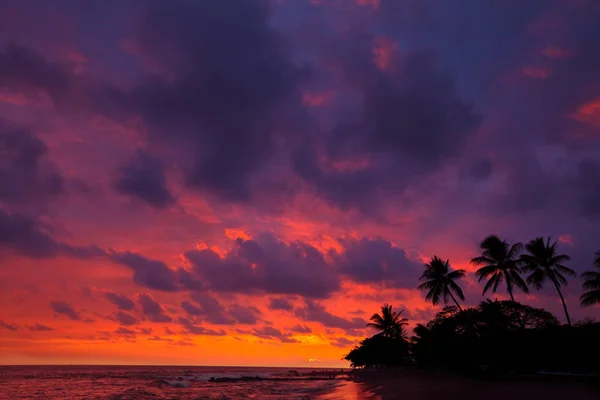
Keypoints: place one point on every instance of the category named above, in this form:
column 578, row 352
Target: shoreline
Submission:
column 430, row 385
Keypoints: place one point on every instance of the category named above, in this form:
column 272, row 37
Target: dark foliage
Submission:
column 499, row 263
column 591, row 284
column 440, row 281
column 378, row 351
column 505, row 337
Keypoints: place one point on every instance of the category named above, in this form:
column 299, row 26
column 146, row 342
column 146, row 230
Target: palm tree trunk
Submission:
column 458, row 305
column 563, row 301
column 511, row 294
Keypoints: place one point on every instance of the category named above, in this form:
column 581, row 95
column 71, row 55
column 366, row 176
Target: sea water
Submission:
column 157, row 382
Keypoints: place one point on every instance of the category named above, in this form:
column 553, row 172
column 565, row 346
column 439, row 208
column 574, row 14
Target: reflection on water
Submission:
column 348, row 390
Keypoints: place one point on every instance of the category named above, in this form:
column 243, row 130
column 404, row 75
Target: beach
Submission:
column 425, row 385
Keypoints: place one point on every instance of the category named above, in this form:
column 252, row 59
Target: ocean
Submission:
column 182, row 383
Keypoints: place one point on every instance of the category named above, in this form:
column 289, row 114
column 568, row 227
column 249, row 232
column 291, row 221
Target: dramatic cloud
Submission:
column 125, row 319
column 10, row 327
column 26, row 176
column 279, row 169
column 243, row 315
column 148, row 273
column 210, row 309
column 342, row 342
column 24, row 69
column 151, row 309
column 268, row 332
column 29, row 237
column 373, row 261
column 277, row 303
column 316, row 313
column 218, row 100
column 144, row 178
column 194, row 329
column 266, row 264
column 123, row 302
column 62, row 308
column 301, row 329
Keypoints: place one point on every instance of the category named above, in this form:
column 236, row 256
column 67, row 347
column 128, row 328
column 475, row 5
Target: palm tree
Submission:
column 542, row 263
column 592, row 284
column 499, row 262
column 389, row 322
column 440, row 281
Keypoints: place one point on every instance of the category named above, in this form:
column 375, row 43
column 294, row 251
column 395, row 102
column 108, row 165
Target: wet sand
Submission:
column 421, row 385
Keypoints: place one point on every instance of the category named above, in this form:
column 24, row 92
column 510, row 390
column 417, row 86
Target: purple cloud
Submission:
column 210, row 309
column 10, row 327
column 191, row 327
column 243, row 315
column 266, row 264
column 125, row 319
column 62, row 308
column 151, row 309
column 377, row 261
column 316, row 313
column 122, row 302
column 144, row 178
column 278, row 303
column 27, row 236
column 40, row 328
column 152, row 274
column 25, row 174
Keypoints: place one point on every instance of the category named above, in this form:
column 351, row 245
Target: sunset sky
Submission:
column 244, row 182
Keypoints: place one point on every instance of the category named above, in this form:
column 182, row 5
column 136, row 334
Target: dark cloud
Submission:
column 62, row 308
column 278, row 303
column 266, row 264
column 268, row 332
column 301, row 329
column 377, row 261
column 149, row 273
column 123, row 302
column 25, row 174
column 210, row 309
column 220, row 100
column 29, row 237
column 125, row 332
column 316, row 313
column 24, row 69
column 10, row 327
column 243, row 315
column 411, row 122
column 125, row 319
column 191, row 327
column 151, row 309
column 587, row 187
column 39, row 328
column 144, row 178
column 342, row 342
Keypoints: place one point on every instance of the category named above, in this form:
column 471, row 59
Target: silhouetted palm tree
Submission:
column 389, row 322
column 592, row 284
column 542, row 263
column 440, row 281
column 499, row 262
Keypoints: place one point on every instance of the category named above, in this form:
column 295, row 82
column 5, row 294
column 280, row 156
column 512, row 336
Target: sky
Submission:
column 244, row 182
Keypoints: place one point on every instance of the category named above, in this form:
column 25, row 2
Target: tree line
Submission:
column 501, row 262
column 501, row 335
